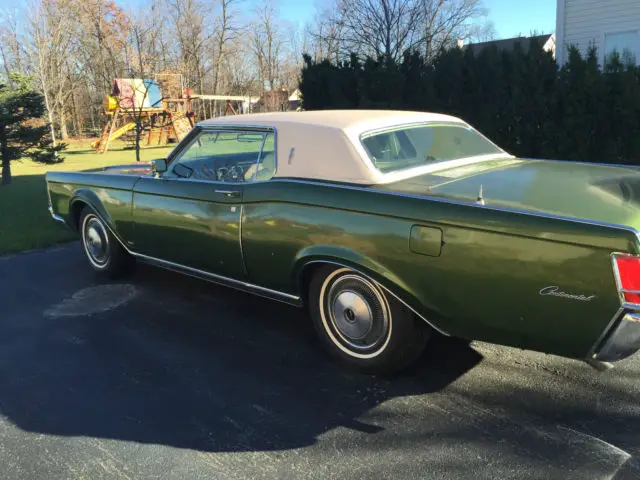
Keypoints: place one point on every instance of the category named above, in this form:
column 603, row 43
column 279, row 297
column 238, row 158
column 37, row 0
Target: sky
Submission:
column 510, row 17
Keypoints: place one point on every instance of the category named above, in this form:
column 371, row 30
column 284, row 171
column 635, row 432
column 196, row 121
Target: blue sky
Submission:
column 510, row 17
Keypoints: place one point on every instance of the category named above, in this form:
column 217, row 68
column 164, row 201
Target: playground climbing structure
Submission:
column 139, row 102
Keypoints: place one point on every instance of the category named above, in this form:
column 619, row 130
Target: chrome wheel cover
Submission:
column 355, row 314
column 96, row 241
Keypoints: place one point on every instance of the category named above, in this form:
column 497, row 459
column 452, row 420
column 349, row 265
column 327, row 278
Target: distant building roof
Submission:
column 546, row 42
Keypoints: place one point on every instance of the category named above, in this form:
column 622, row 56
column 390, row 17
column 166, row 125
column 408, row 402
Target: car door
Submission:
column 191, row 214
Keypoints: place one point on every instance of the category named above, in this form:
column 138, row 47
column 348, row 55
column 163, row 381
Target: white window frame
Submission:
column 601, row 50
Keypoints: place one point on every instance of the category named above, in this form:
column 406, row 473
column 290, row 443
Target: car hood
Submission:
column 589, row 191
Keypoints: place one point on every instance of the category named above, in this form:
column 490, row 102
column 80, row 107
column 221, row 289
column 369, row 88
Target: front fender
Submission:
column 114, row 207
column 367, row 266
column 87, row 196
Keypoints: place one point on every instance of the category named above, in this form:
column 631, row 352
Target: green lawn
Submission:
column 25, row 222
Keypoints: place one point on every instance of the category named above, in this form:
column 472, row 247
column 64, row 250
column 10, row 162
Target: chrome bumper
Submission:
column 622, row 341
column 57, row 218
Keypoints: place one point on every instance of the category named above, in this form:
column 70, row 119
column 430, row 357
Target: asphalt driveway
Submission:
column 162, row 376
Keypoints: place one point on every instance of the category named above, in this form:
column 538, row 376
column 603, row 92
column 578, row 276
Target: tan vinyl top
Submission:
column 325, row 144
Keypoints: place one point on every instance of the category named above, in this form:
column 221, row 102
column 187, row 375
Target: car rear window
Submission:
column 413, row 146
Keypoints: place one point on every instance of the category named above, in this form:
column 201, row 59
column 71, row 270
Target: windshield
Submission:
column 417, row 145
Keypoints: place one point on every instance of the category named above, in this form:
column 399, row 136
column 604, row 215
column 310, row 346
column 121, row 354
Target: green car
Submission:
column 389, row 226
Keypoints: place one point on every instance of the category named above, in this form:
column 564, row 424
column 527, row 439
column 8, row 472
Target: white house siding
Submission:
column 582, row 22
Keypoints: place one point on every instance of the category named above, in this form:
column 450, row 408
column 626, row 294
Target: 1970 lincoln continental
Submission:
column 388, row 225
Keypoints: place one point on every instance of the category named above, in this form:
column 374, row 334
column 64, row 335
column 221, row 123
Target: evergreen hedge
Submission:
column 519, row 99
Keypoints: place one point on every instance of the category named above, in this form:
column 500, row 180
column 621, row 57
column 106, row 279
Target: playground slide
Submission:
column 116, row 133
column 122, row 130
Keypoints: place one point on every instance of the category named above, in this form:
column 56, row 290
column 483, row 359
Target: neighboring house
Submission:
column 611, row 25
column 546, row 43
column 294, row 100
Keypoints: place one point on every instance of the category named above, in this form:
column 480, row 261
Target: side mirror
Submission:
column 158, row 166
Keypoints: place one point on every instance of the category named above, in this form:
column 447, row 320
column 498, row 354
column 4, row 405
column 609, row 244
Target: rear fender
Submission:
column 366, row 266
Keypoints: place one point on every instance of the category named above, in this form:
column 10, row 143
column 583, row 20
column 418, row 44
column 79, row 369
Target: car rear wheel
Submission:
column 102, row 250
column 361, row 325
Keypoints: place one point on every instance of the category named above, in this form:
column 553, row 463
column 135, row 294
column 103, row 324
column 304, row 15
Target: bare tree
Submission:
column 141, row 66
column 267, row 45
column 12, row 50
column 194, row 34
column 51, row 41
column 389, row 28
column 225, row 33
column 239, row 74
column 325, row 33
column 448, row 21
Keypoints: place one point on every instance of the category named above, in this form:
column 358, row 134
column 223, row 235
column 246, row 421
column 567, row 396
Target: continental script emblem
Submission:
column 556, row 292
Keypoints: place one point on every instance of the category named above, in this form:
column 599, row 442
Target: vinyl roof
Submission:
column 325, row 144
column 342, row 119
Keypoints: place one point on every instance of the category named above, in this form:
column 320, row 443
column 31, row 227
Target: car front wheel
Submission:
column 361, row 325
column 101, row 248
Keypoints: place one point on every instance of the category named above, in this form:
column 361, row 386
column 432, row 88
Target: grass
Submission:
column 25, row 223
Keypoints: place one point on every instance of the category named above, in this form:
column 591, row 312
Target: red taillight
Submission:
column 628, row 268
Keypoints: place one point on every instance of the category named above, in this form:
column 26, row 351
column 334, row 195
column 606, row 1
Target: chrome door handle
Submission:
column 228, row 193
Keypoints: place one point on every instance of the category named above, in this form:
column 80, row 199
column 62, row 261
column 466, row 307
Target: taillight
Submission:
column 628, row 276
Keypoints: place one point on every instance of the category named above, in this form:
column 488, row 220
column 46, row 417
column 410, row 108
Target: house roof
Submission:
column 508, row 44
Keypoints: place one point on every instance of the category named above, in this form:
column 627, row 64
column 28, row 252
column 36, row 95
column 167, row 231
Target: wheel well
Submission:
column 309, row 270
column 74, row 213
column 306, row 276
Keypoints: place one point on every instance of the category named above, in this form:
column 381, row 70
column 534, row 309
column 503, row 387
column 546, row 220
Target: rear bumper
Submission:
column 622, row 340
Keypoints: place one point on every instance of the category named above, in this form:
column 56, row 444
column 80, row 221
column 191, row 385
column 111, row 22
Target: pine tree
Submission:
column 22, row 132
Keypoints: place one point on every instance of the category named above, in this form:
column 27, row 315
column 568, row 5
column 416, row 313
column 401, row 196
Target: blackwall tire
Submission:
column 363, row 326
column 102, row 250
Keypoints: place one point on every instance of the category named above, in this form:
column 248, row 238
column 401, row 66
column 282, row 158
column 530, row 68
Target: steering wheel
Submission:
column 233, row 174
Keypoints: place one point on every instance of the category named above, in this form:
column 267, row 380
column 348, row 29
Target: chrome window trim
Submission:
column 402, row 174
column 198, row 128
column 332, row 262
column 264, row 139
column 244, row 263
column 333, row 184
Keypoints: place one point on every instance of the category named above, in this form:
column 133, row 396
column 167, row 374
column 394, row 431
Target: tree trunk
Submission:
column 75, row 115
column 6, row 161
column 64, row 134
column 138, row 133
column 6, row 64
column 47, row 102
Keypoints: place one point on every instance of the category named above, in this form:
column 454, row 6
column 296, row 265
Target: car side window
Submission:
column 223, row 156
column 265, row 168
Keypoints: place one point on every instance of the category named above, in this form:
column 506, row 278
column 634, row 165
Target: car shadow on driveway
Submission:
column 177, row 362
column 192, row 365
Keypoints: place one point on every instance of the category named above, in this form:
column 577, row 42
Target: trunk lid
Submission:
column 595, row 192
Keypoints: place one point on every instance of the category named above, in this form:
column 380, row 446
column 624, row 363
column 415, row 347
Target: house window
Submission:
column 625, row 43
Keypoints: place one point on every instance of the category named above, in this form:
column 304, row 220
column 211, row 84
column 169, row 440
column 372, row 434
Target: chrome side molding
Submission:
column 222, row 280
column 57, row 218
column 464, row 203
column 598, row 365
column 211, row 277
